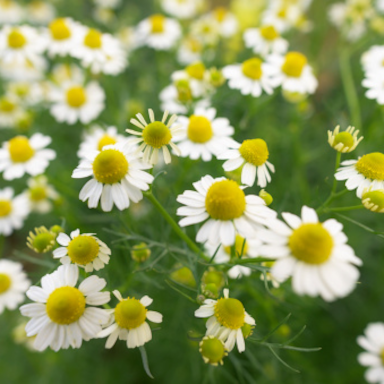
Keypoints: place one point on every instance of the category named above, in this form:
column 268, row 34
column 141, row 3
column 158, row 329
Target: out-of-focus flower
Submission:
column 42, row 240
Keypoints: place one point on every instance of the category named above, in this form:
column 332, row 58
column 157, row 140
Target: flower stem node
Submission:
column 140, row 252
column 212, row 350
column 345, row 141
column 42, row 241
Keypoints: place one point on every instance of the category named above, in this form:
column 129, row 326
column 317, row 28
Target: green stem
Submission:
column 344, row 209
column 2, row 243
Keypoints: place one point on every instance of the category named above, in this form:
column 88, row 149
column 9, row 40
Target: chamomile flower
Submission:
column 190, row 50
column 74, row 102
column 212, row 350
column 112, row 4
column 117, row 177
column 375, row 88
column 367, row 171
column 158, row 32
column 25, row 93
column 11, row 12
column 293, row 73
column 206, row 29
column 315, row 254
column 40, row 12
column 373, row 199
column 251, row 77
column 226, row 317
column 63, row 315
column 84, row 250
column 265, row 40
column 184, row 9
column 194, row 75
column 13, row 284
column 373, row 357
column 223, row 206
column 226, row 21
column 204, row 134
column 129, row 323
column 373, row 59
column 253, row 156
column 345, row 141
column 13, row 211
column 24, row 71
column 155, row 136
column 21, row 155
column 10, row 111
column 42, row 240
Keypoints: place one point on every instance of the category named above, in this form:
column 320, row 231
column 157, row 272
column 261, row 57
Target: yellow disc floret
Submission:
column 59, row 29
column 37, row 193
column 65, row 305
column 16, row 39
column 5, row 208
column 345, row 138
column 83, row 249
column 157, row 134
column 105, row 140
column 269, row 32
column 199, row 129
column 371, row 166
column 373, row 200
column 311, row 243
column 130, row 313
column 254, row 151
column 196, row 70
column 5, row 283
column 252, row 68
column 230, row 313
column 93, row 39
column 225, row 200
column 239, row 243
column 76, row 97
column 294, row 64
column 6, row 106
column 157, row 23
column 20, row 150
column 110, row 166
column 220, row 14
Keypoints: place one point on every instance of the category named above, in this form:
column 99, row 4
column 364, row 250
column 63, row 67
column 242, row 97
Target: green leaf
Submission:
column 281, row 360
column 144, row 359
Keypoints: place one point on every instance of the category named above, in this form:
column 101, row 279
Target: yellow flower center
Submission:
column 5, row 208
column 254, row 151
column 294, row 64
column 269, row 32
column 93, row 39
column 16, row 39
column 105, row 140
column 194, row 45
column 374, row 197
column 157, row 134
column 196, row 70
column 225, row 200
column 213, row 350
column 220, row 13
column 59, row 29
column 6, row 106
column 371, row 166
column 130, row 313
column 184, row 93
column 199, row 129
column 20, row 150
column 110, row 166
column 76, row 97
column 65, row 305
column 43, row 241
column 252, row 68
column 382, row 356
column 5, row 283
column 37, row 193
column 311, row 243
column 83, row 249
column 157, row 23
column 238, row 247
column 345, row 138
column 230, row 313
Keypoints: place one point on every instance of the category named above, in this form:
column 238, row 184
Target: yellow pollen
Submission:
column 230, row 313
column 254, row 151
column 37, row 193
column 130, row 313
column 110, row 166
column 59, row 29
column 157, row 134
column 371, row 166
column 157, row 23
column 5, row 208
column 65, row 305
column 20, row 150
column 83, row 249
column 269, row 32
column 311, row 243
column 196, row 70
column 199, row 129
column 76, row 97
column 294, row 64
column 5, row 283
column 252, row 68
column 16, row 39
column 220, row 13
column 213, row 350
column 93, row 39
column 238, row 247
column 105, row 140
column 345, row 138
column 225, row 200
column 6, row 106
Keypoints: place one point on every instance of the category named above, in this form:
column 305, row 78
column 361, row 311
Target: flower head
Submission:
column 212, row 350
column 373, row 199
column 42, row 240
column 345, row 141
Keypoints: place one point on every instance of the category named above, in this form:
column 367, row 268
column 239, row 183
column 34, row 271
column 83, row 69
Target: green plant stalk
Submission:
column 344, row 209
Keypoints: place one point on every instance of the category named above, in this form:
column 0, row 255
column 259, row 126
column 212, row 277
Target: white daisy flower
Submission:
column 373, row 357
column 204, row 134
column 190, row 50
column 367, row 171
column 63, row 315
column 112, row 4
column 10, row 12
column 25, row 93
column 84, row 250
column 10, row 111
column 315, row 255
column 265, row 40
column 64, row 73
column 40, row 12
column 21, row 155
column 212, row 350
column 227, row 209
column 373, row 59
column 129, row 322
column 374, row 81
column 13, row 284
column 158, row 32
column 251, row 77
column 345, row 141
column 226, row 318
column 206, row 29
column 155, row 136
column 117, row 177
column 74, row 102
column 253, row 156
column 13, row 211
column 24, row 71
column 293, row 73
column 226, row 20
column 184, row 9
